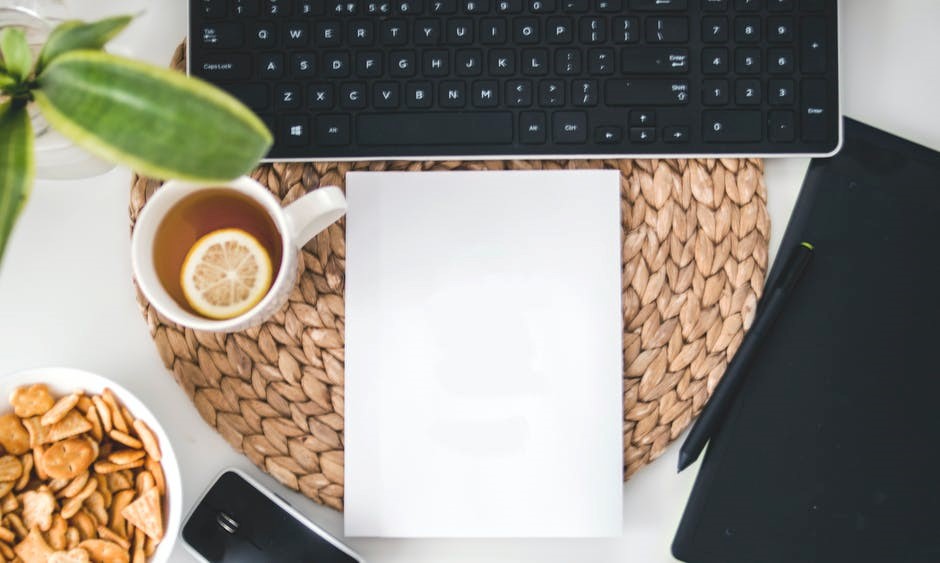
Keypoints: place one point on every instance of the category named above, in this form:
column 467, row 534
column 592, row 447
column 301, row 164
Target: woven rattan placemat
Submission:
column 695, row 235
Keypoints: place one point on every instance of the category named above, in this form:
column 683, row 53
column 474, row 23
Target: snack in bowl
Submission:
column 81, row 479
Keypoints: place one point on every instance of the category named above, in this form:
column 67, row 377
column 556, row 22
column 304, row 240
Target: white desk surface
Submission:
column 66, row 297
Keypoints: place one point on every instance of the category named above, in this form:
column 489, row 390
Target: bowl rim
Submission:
column 169, row 461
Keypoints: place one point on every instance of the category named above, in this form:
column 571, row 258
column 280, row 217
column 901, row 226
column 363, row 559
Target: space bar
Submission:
column 435, row 128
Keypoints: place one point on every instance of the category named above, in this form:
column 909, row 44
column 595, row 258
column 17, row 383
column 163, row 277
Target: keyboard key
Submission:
column 601, row 61
column 541, row 6
column 747, row 5
column 460, row 31
column 303, row 64
column 419, row 95
column 747, row 61
column 715, row 5
column 551, row 93
column 294, row 130
column 658, row 5
column 352, row 95
column 508, row 6
column 526, row 30
column 747, row 29
column 813, row 45
column 443, row 7
column 381, row 8
column 642, row 135
column 485, row 94
column 427, row 32
column 575, row 6
column 781, row 126
column 667, row 30
column 408, row 7
column 474, row 7
column 263, row 35
column 329, row 34
column 715, row 61
column 568, row 61
column 401, row 64
column 212, row 9
column 781, row 92
column 609, row 6
column 812, row 5
column 781, row 61
column 287, row 96
column 558, row 30
column 654, row 60
column 310, row 8
column 385, row 95
column 732, row 126
column 608, row 135
column 361, row 33
column 246, row 8
column 230, row 66
column 435, row 128
column 676, row 135
column 502, row 62
column 569, row 127
column 393, row 32
column 369, row 64
column 780, row 29
column 298, row 35
column 277, row 7
column 253, row 95
column 747, row 92
column 584, row 93
column 343, row 7
column 642, row 118
column 532, row 127
column 468, row 62
column 535, row 62
column 336, row 64
column 592, row 30
column 493, row 31
column 332, row 130
column 436, row 63
column 320, row 96
column 714, row 29
column 715, row 93
column 222, row 35
column 453, row 94
column 271, row 65
column 815, row 110
column 626, row 30
column 779, row 5
column 519, row 93
column 646, row 92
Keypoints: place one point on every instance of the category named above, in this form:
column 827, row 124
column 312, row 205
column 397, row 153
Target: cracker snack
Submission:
column 80, row 480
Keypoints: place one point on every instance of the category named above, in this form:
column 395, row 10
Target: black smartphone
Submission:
column 239, row 521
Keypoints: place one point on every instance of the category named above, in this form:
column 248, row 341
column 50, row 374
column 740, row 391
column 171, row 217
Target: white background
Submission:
column 66, row 297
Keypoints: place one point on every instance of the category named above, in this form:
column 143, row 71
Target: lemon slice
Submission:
column 226, row 273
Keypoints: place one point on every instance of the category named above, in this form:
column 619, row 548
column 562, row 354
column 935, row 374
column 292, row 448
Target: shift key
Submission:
column 646, row 92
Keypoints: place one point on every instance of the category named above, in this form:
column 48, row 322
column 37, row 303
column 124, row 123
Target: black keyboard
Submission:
column 537, row 78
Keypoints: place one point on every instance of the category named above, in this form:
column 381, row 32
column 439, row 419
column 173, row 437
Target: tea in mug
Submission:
column 217, row 253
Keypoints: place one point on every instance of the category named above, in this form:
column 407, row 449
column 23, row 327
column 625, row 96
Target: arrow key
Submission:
column 676, row 134
column 608, row 135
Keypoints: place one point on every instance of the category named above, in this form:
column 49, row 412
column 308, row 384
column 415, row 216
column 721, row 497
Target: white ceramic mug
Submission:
column 297, row 223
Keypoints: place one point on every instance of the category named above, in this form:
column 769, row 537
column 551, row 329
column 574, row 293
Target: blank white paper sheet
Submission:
column 483, row 391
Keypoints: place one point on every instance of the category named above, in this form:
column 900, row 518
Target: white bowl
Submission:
column 62, row 381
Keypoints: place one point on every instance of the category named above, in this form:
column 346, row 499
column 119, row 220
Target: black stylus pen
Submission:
column 715, row 409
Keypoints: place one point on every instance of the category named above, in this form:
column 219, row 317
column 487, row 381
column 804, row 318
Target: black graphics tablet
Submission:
column 831, row 452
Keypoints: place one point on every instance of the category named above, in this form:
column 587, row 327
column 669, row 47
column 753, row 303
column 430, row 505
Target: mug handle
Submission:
column 314, row 212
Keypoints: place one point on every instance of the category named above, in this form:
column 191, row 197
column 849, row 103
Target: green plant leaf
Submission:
column 159, row 122
column 6, row 81
column 16, row 53
column 17, row 167
column 74, row 35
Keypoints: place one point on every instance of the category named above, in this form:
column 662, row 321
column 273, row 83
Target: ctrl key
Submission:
column 333, row 130
column 569, row 127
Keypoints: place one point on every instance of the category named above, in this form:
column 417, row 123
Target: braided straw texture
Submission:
column 695, row 236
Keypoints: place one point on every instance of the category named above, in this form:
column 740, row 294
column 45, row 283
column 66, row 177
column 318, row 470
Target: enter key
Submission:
column 815, row 111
